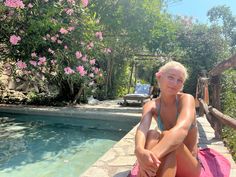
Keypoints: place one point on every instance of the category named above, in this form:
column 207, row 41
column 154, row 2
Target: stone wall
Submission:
column 8, row 86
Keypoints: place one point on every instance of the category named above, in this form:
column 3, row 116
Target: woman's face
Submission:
column 171, row 81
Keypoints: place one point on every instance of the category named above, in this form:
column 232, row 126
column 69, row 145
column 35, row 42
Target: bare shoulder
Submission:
column 186, row 99
column 151, row 105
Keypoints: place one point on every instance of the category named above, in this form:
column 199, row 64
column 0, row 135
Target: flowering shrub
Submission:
column 53, row 41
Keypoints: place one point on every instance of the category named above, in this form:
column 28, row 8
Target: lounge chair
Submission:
column 142, row 92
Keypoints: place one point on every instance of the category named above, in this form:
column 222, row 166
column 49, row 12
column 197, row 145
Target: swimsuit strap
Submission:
column 159, row 121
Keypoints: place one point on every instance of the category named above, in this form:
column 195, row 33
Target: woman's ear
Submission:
column 158, row 75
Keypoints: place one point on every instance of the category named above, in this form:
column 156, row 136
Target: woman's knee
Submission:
column 152, row 139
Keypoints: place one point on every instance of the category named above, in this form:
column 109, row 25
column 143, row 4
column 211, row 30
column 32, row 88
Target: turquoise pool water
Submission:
column 41, row 146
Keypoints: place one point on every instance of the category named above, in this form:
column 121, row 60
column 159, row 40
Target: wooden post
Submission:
column 135, row 73
column 202, row 92
column 215, row 82
column 131, row 75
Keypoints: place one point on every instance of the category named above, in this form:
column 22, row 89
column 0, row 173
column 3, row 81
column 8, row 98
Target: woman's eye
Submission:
column 170, row 77
column 180, row 81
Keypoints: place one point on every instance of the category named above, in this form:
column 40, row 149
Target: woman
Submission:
column 172, row 150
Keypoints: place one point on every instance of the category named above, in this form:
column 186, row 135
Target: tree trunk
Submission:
column 78, row 95
column 131, row 75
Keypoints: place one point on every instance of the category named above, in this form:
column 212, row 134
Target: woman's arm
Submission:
column 142, row 130
column 146, row 158
column 172, row 138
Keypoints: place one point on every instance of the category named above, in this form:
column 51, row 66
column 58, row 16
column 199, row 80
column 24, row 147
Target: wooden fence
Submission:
column 216, row 118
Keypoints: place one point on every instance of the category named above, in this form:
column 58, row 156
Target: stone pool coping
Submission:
column 101, row 111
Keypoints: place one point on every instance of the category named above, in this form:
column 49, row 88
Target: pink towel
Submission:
column 213, row 164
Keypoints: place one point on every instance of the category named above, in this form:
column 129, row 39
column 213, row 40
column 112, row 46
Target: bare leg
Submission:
column 175, row 162
column 168, row 166
column 168, row 163
column 184, row 157
column 152, row 139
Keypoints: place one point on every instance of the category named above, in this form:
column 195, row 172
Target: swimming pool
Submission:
column 33, row 145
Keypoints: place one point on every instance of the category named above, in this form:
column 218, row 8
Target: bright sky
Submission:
column 198, row 8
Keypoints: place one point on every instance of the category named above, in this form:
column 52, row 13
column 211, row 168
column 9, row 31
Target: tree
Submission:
column 129, row 26
column 221, row 16
column 58, row 42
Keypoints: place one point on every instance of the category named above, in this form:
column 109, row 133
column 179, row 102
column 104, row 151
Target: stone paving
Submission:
column 118, row 161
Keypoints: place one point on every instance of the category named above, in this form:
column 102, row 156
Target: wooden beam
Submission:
column 226, row 120
column 204, row 106
column 224, row 65
column 215, row 123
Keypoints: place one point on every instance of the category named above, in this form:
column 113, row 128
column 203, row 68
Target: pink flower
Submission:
column 14, row 39
column 51, row 51
column 68, row 70
column 99, row 35
column 63, row 31
column 78, row 54
column 90, row 45
column 59, row 41
column 65, row 47
column 69, row 11
column 84, row 58
column 20, row 64
column 42, row 61
column 81, row 70
column 71, row 1
column 92, row 62
column 30, row 5
column 32, row 62
column 33, row 54
column 96, row 70
column 71, row 28
column 107, row 50
column 85, row 3
column 53, row 62
column 91, row 75
column 53, row 38
column 14, row 4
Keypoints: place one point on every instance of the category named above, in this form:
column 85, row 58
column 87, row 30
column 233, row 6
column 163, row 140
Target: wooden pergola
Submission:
column 142, row 57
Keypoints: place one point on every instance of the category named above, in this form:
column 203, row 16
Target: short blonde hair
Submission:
column 174, row 64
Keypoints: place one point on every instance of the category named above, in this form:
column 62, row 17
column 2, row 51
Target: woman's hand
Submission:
column 148, row 163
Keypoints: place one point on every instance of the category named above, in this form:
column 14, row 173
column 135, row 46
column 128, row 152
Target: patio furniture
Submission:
column 142, row 92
